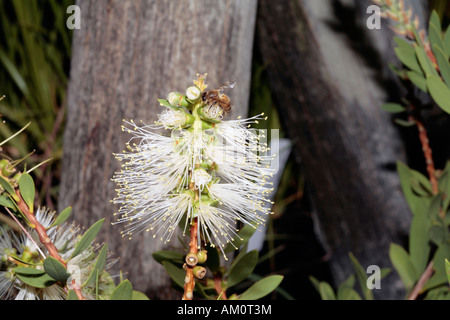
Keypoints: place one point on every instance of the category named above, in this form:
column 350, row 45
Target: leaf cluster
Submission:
column 227, row 278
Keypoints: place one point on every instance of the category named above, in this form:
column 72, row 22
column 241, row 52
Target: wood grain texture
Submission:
column 329, row 75
column 126, row 55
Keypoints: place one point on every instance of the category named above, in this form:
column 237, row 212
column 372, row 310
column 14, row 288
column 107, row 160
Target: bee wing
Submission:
column 227, row 85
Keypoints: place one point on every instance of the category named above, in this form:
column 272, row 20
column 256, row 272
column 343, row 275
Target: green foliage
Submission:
column 346, row 290
column 124, row 291
column 55, row 269
column 34, row 277
column 27, row 190
column 231, row 277
column 426, row 66
column 35, row 49
column 88, row 237
column 62, row 217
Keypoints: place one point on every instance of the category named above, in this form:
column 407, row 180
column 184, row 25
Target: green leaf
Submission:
column 5, row 184
column 440, row 273
column 262, row 288
column 175, row 273
column 28, row 271
column 402, row 263
column 435, row 33
column 408, row 57
column 419, row 180
column 242, row 268
column 419, row 248
column 439, row 92
column 447, row 269
column 62, row 217
column 27, row 189
column 213, row 261
column 346, row 293
column 98, row 266
column 444, row 65
column 137, row 295
column 418, row 80
column 6, row 202
column 438, row 234
column 326, row 291
column 447, row 41
column 34, row 277
column 87, row 238
column 405, row 123
column 362, row 277
column 124, row 291
column 166, row 255
column 444, row 186
column 424, row 61
column 416, row 203
column 393, row 107
column 72, row 295
column 56, row 269
column 242, row 237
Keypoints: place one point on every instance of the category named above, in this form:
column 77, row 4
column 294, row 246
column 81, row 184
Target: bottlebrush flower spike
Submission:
column 201, row 168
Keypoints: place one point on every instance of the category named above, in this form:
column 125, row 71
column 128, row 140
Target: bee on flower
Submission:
column 202, row 168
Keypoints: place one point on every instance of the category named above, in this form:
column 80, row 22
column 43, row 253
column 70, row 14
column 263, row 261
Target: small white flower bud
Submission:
column 173, row 118
column 193, row 93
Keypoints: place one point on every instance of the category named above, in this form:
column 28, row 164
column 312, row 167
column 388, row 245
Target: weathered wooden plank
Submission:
column 126, row 55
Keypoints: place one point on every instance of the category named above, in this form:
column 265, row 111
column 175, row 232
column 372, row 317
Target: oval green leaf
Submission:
column 402, row 263
column 262, row 288
column 124, row 291
column 62, row 217
column 56, row 269
column 175, row 273
column 27, row 189
column 439, row 92
column 98, row 266
column 137, row 295
column 242, row 268
column 34, row 277
column 87, row 238
column 393, row 107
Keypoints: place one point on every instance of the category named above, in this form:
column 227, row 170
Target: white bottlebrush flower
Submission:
column 65, row 238
column 211, row 170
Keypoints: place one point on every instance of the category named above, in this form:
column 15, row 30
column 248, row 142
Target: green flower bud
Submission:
column 202, row 256
column 177, row 99
column 199, row 272
column 6, row 168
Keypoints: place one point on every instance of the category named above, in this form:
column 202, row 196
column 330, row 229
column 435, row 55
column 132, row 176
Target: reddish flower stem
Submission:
column 189, row 283
column 45, row 239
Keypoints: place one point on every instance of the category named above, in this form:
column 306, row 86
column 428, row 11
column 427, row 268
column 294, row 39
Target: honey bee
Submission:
column 217, row 97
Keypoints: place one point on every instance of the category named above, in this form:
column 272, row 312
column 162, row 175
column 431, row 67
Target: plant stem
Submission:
column 189, row 283
column 45, row 239
column 428, row 154
column 218, row 286
column 423, row 279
